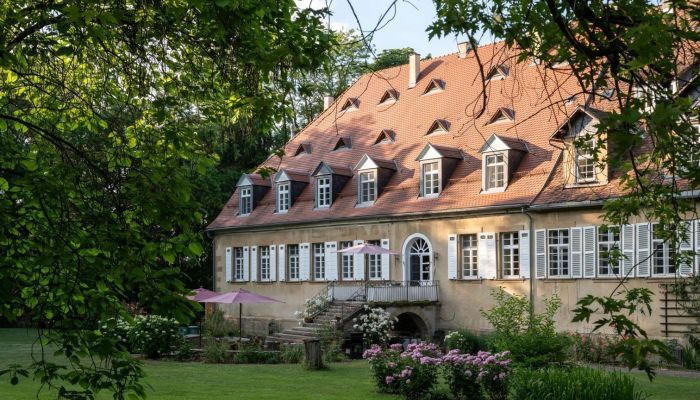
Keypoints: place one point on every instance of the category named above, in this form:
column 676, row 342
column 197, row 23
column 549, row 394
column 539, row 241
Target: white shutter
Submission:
column 627, row 238
column 386, row 261
column 487, row 255
column 246, row 262
column 524, row 252
column 589, row 247
column 273, row 263
column 452, row 256
column 331, row 261
column 541, row 253
column 359, row 263
column 229, row 265
column 576, row 243
column 253, row 263
column 282, row 264
column 686, row 246
column 304, row 261
column 643, row 249
column 697, row 246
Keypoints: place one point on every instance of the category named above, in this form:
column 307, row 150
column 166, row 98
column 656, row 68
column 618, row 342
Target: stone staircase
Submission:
column 337, row 313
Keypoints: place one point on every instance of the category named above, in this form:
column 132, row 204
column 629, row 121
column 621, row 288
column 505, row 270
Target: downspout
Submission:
column 531, row 230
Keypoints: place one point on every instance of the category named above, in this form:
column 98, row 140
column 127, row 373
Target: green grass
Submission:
column 194, row 381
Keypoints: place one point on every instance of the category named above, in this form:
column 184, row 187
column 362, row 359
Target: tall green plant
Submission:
column 573, row 384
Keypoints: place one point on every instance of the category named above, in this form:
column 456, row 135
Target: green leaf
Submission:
column 29, row 165
column 195, row 248
column 3, row 184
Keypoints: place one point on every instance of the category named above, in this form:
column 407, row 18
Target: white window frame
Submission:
column 293, row 262
column 367, row 179
column 469, row 256
column 283, row 197
column 374, row 262
column 587, row 157
column 558, row 254
column 246, row 206
column 319, row 261
column 607, row 241
column 264, row 263
column 324, row 191
column 491, row 168
column 510, row 254
column 239, row 265
column 347, row 262
column 432, row 178
column 667, row 252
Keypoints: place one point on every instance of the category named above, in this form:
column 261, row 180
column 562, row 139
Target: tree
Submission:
column 646, row 55
column 388, row 58
column 108, row 112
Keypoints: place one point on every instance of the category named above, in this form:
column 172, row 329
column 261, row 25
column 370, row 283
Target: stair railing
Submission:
column 327, row 294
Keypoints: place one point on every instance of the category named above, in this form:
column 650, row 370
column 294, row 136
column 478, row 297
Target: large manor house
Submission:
column 470, row 172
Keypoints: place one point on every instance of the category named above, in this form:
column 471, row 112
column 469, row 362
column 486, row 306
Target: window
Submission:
column 293, row 261
column 343, row 144
column 374, row 262
column 319, row 261
column 323, row 191
column 246, row 200
column 439, row 126
column 264, row 263
column 608, row 243
column 431, row 179
column 385, row 136
column 558, row 243
column 283, row 197
column 238, row 263
column 350, row 104
column 435, row 85
column 495, row 171
column 663, row 252
column 510, row 254
column 389, row 96
column 368, row 188
column 585, row 165
column 347, row 262
column 470, row 259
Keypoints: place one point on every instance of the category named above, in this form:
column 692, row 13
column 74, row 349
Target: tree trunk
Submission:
column 314, row 359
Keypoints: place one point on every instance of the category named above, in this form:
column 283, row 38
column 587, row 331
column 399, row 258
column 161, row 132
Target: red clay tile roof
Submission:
column 536, row 94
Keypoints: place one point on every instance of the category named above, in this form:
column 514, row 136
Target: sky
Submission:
column 407, row 29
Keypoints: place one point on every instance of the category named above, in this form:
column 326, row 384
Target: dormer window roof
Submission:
column 436, row 166
column 390, row 96
column 303, row 148
column 502, row 115
column 251, row 188
column 373, row 175
column 434, row 86
column 385, row 136
column 500, row 159
column 433, row 151
column 329, row 181
column 344, row 142
column 351, row 104
column 289, row 185
column 570, row 129
column 499, row 71
column 438, row 126
column 501, row 143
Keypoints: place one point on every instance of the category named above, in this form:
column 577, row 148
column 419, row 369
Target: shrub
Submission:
column 384, row 363
column 465, row 341
column 573, row 384
column 375, row 323
column 153, row 335
column 312, row 307
column 216, row 325
column 461, row 374
column 292, row 353
column 412, row 373
column 255, row 356
column 215, row 351
column 494, row 373
column 183, row 349
column 117, row 329
column 331, row 343
column 599, row 349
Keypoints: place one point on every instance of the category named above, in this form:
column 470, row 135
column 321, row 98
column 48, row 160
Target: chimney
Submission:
column 327, row 102
column 463, row 49
column 413, row 69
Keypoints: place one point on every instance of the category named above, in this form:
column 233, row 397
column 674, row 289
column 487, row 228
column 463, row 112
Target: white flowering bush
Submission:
column 118, row 329
column 312, row 307
column 153, row 335
column 375, row 323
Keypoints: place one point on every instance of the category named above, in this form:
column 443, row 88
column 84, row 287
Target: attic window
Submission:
column 303, row 148
column 570, row 100
column 389, row 96
column 435, row 85
column 439, row 126
column 350, row 104
column 385, row 136
column 343, row 143
column 497, row 72
column 502, row 115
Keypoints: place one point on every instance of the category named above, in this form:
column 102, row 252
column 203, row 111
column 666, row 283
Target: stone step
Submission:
column 303, row 328
column 299, row 332
column 291, row 336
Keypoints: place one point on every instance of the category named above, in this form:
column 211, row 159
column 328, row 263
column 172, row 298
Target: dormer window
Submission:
column 289, row 184
column 500, row 157
column 304, row 148
column 283, row 197
column 368, row 187
column 342, row 143
column 323, row 191
column 436, row 166
column 435, row 85
column 438, row 126
column 497, row 72
column 385, row 136
column 246, row 200
column 350, row 104
column 330, row 180
column 373, row 175
column 585, row 162
column 390, row 96
column 502, row 115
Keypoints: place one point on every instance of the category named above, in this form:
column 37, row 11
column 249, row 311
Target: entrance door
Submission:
column 419, row 262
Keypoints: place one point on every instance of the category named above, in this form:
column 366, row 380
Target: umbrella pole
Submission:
column 240, row 324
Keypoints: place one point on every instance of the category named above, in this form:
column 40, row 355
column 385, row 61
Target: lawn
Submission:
column 351, row 380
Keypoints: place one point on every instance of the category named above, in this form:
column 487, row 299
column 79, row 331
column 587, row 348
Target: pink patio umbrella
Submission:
column 201, row 294
column 366, row 248
column 241, row 296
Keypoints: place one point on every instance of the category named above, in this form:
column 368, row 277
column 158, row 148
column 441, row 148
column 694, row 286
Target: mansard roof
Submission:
column 325, row 168
column 432, row 151
column 252, row 180
column 538, row 117
column 498, row 143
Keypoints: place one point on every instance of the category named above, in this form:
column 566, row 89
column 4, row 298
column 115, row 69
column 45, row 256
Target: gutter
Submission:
column 533, row 286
